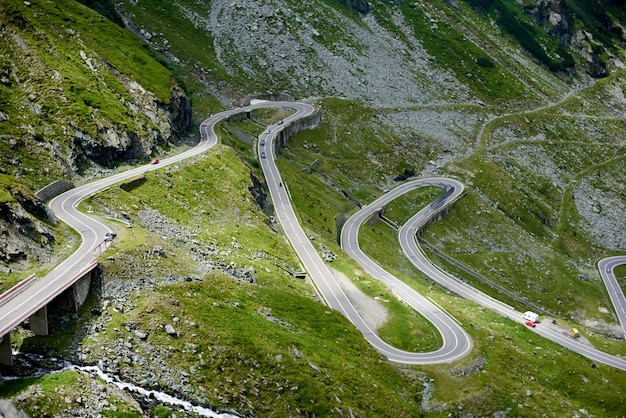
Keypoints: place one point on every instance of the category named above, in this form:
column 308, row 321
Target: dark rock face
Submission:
column 596, row 68
column 360, row 6
column 179, row 110
column 23, row 230
column 35, row 207
column 260, row 195
column 15, row 225
column 408, row 172
column 168, row 123
column 553, row 17
column 557, row 20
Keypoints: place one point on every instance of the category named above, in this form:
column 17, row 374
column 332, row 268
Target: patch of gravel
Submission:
column 449, row 133
column 372, row 311
column 600, row 197
column 603, row 214
column 474, row 366
column 153, row 221
column 362, row 60
column 147, row 268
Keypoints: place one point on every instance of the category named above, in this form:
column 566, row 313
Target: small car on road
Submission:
column 154, row 161
column 530, row 324
column 263, row 154
column 262, row 142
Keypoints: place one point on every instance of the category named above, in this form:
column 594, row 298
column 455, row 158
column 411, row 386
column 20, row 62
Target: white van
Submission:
column 531, row 316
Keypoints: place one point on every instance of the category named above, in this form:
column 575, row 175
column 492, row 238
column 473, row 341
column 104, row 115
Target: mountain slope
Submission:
column 77, row 93
column 522, row 101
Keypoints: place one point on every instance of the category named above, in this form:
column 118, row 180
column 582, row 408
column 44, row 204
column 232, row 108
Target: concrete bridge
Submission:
column 32, row 298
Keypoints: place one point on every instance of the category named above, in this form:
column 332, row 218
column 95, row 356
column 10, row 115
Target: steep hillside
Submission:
column 523, row 101
column 394, row 54
column 78, row 94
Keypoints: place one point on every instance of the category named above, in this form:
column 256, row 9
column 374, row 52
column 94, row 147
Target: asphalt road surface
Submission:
column 456, row 342
column 607, row 271
column 21, row 305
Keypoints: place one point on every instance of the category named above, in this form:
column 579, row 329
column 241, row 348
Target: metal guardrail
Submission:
column 17, row 289
column 485, row 280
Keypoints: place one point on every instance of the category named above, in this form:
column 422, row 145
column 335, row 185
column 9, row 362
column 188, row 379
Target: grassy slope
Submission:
column 546, row 248
column 500, row 344
column 236, row 345
column 505, row 346
column 192, row 44
column 48, row 87
column 236, row 341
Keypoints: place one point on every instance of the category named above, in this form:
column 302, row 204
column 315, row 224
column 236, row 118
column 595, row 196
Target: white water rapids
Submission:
column 160, row 396
column 129, row 387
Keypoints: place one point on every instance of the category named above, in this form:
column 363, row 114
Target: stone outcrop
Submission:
column 100, row 118
column 159, row 125
column 24, row 228
column 553, row 17
column 557, row 20
column 20, row 234
column 35, row 207
column 260, row 195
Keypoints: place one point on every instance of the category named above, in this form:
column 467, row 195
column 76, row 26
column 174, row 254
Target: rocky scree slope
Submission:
column 389, row 53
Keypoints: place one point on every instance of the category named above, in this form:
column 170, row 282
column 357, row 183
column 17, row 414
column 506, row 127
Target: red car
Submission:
column 530, row 324
column 154, row 161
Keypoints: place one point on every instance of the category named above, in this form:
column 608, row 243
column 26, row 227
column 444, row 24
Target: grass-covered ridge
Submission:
column 68, row 70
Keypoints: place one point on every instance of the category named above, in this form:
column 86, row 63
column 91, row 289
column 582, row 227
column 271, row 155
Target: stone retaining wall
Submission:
column 53, row 190
column 272, row 97
column 309, row 122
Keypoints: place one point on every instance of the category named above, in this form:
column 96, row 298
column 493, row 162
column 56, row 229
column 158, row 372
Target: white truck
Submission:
column 531, row 316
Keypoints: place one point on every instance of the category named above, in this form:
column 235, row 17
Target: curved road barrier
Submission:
column 456, row 342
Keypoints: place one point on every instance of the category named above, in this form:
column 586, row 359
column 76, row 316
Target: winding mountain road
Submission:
column 38, row 293
column 408, row 241
column 456, row 342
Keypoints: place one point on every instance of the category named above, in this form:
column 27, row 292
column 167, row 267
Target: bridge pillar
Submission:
column 6, row 354
column 39, row 321
column 73, row 298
